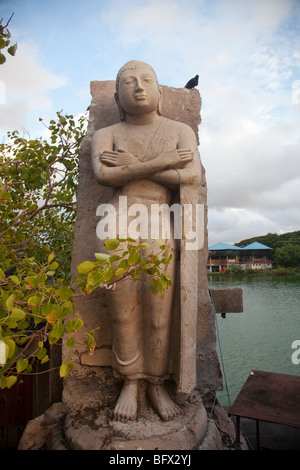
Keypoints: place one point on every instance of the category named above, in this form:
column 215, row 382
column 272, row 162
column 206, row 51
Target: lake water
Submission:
column 261, row 337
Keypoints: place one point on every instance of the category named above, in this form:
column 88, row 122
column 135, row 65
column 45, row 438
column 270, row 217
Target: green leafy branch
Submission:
column 5, row 41
column 38, row 182
column 132, row 259
column 35, row 310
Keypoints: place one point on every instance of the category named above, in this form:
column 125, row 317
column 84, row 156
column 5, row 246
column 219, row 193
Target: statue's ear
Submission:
column 159, row 105
column 121, row 110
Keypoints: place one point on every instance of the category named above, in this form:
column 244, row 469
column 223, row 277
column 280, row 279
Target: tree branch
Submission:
column 69, row 205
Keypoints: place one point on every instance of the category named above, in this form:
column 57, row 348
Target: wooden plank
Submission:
column 271, row 397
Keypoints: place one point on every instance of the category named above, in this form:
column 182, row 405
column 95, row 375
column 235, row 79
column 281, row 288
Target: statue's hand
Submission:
column 175, row 158
column 117, row 158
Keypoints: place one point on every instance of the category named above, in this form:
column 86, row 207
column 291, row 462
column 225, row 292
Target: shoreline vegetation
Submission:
column 264, row 272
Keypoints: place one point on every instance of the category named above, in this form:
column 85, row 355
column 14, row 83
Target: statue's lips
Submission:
column 140, row 97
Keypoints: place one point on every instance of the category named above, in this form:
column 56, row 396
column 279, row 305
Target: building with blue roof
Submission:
column 253, row 256
column 224, row 247
column 256, row 246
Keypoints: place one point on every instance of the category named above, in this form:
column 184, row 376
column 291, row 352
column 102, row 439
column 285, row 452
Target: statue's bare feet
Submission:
column 162, row 403
column 126, row 406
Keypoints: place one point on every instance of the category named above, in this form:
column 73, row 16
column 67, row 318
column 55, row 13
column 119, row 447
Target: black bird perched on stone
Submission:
column 192, row 83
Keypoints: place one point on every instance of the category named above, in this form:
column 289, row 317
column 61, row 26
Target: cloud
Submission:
column 231, row 225
column 152, row 20
column 28, row 86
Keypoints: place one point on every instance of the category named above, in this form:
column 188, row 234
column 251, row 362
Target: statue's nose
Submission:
column 139, row 86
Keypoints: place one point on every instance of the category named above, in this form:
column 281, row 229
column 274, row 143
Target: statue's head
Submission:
column 137, row 89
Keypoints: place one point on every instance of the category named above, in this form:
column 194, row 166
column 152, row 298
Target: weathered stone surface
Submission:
column 92, row 428
column 41, row 433
column 227, row 299
column 100, row 357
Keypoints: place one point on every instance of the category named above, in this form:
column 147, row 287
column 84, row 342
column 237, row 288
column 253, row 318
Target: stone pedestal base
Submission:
column 90, row 427
column 94, row 429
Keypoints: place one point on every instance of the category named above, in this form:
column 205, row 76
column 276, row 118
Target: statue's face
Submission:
column 138, row 91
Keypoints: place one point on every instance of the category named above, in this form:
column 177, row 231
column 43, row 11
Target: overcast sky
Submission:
column 247, row 54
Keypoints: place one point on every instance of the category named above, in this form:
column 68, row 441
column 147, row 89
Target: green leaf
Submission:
column 2, row 59
column 68, row 359
column 70, row 343
column 65, row 293
column 85, row 267
column 114, row 258
column 15, row 280
column 53, row 266
column 95, row 277
column 28, row 368
column 120, row 272
column 63, row 370
column 41, row 353
column 22, row 340
column 32, row 281
column 17, row 314
column 34, row 300
column 45, row 359
column 78, row 323
column 41, row 279
column 3, row 382
column 11, row 380
column 134, row 258
column 11, row 347
column 124, row 264
column 74, row 325
column 7, row 381
column 51, row 257
column 109, row 274
column 101, row 257
column 66, row 308
column 2, row 275
column 63, row 120
column 56, row 333
column 112, row 244
column 10, row 302
column 145, row 245
column 156, row 285
column 91, row 343
column 22, row 364
column 12, row 49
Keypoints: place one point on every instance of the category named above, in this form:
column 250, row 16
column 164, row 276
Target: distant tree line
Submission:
column 286, row 247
